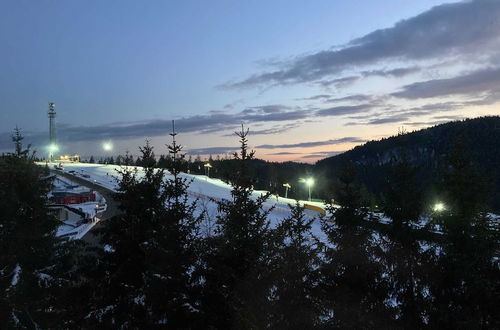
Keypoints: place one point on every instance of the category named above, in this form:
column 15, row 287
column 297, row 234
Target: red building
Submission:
column 67, row 197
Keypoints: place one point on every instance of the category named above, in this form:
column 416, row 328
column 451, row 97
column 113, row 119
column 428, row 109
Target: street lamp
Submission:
column 107, row 146
column 287, row 186
column 309, row 183
column 53, row 148
column 439, row 207
column 207, row 169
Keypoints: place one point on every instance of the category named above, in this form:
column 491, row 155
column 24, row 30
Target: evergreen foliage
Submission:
column 354, row 290
column 235, row 290
column 465, row 289
column 30, row 253
column 295, row 263
column 426, row 149
column 146, row 279
column 405, row 261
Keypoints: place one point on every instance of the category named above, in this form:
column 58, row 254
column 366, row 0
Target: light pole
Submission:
column 287, row 186
column 107, row 146
column 207, row 169
column 53, row 148
column 309, row 183
column 439, row 207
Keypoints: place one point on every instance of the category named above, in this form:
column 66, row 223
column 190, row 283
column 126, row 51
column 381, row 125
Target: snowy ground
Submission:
column 75, row 229
column 206, row 190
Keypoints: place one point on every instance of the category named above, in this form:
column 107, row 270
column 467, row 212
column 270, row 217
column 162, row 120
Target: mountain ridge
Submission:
column 426, row 149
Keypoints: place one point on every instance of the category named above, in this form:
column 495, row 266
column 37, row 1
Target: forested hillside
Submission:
column 427, row 150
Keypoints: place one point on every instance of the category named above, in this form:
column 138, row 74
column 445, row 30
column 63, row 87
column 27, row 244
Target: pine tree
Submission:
column 235, row 290
column 162, row 162
column 151, row 251
column 119, row 299
column 404, row 259
column 353, row 286
column 29, row 261
column 171, row 290
column 465, row 284
column 295, row 274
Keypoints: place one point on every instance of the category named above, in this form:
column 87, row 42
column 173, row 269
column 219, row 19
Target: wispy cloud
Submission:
column 339, row 82
column 282, row 118
column 312, row 144
column 211, row 151
column 284, row 153
column 351, row 98
column 397, row 72
column 344, row 110
column 315, row 97
column 460, row 29
column 323, row 154
column 480, row 81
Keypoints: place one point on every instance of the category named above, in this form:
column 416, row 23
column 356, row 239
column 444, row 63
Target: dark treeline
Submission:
column 426, row 149
column 164, row 263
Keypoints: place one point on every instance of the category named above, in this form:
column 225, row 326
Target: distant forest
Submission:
column 164, row 263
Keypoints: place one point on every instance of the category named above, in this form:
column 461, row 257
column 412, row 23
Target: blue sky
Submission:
column 310, row 78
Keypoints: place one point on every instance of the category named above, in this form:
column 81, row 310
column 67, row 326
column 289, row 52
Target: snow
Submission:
column 100, row 312
column 44, row 279
column 76, row 229
column 139, row 300
column 16, row 276
column 210, row 190
column 108, row 248
column 207, row 190
column 76, row 232
column 201, row 185
column 15, row 318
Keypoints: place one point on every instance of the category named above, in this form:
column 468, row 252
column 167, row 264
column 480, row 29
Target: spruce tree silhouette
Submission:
column 235, row 291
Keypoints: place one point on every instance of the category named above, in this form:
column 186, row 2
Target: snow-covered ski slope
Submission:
column 206, row 190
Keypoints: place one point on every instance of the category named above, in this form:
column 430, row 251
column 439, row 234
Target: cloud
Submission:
column 405, row 114
column 479, row 81
column 397, row 72
column 463, row 29
column 312, row 144
column 213, row 122
column 344, row 110
column 393, row 114
column 323, row 154
column 425, row 123
column 212, row 151
column 339, row 82
column 283, row 153
column 276, row 129
column 277, row 116
column 273, row 108
column 387, row 120
column 315, row 97
column 355, row 98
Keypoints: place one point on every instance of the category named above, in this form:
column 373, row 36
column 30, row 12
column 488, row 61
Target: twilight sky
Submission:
column 309, row 78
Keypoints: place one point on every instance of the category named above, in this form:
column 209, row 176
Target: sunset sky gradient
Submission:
column 309, row 78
